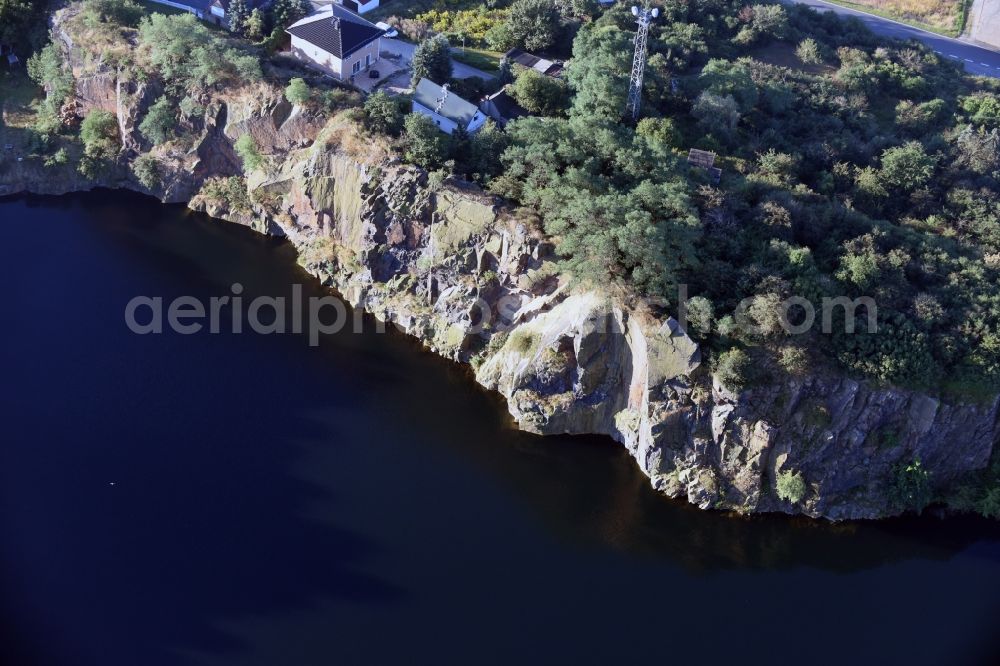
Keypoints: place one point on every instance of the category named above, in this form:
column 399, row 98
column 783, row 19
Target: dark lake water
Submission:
column 251, row 500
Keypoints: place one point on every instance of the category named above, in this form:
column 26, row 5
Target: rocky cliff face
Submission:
column 449, row 265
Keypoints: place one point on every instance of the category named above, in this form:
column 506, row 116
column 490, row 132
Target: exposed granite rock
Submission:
column 448, row 265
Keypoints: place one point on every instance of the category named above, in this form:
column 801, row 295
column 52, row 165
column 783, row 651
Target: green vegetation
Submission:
column 229, row 193
column 148, row 171
column 734, row 369
column 541, row 95
column 101, row 142
column 298, row 91
column 432, row 60
column 248, row 152
column 426, row 145
column 791, row 487
column 383, row 114
column 158, row 125
column 190, row 57
column 911, row 489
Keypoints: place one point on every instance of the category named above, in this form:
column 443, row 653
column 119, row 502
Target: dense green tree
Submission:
column 99, row 133
column 148, row 171
column 287, row 12
column 790, row 486
column 808, row 51
column 538, row 93
column 907, row 167
column 383, row 114
column 158, row 125
column 121, row 12
column 237, row 16
column 533, row 24
column 298, row 91
column 426, row 144
column 256, row 26
column 46, row 69
column 432, row 60
column 189, row 55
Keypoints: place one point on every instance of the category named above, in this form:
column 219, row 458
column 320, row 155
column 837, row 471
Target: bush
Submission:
column 383, row 114
column 911, row 487
column 791, row 486
column 120, row 12
column 432, row 60
column 538, row 93
column 532, row 24
column 188, row 55
column 734, row 370
column 246, row 148
column 808, row 52
column 99, row 133
column 426, row 145
column 158, row 125
column 794, row 360
column 47, row 70
column 230, row 193
column 147, row 171
column 298, row 91
column 57, row 159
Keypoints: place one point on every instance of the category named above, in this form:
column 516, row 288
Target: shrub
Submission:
column 147, row 171
column 158, row 125
column 432, row 60
column 532, row 24
column 383, row 114
column 808, row 52
column 734, row 369
column 229, row 193
column 121, row 12
column 426, row 144
column 791, row 487
column 298, row 91
column 538, row 93
column 246, row 148
column 794, row 360
column 911, row 486
column 57, row 159
column 187, row 54
column 99, row 133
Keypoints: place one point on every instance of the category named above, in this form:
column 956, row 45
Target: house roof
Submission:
column 336, row 30
column 541, row 65
column 504, row 105
column 454, row 108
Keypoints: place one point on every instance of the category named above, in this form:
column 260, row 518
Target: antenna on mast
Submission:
column 643, row 17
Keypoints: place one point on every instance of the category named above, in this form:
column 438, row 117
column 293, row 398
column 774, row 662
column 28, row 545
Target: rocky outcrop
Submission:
column 448, row 264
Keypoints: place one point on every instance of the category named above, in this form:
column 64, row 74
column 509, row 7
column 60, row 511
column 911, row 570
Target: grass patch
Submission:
column 18, row 95
column 943, row 17
column 156, row 8
column 484, row 59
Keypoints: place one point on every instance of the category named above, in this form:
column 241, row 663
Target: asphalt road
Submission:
column 977, row 60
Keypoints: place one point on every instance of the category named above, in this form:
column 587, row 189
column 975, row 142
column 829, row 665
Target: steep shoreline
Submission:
column 566, row 359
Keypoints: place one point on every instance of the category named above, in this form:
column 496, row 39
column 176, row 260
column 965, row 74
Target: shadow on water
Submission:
column 164, row 498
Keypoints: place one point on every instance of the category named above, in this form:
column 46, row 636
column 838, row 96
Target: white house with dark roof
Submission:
column 359, row 6
column 445, row 108
column 337, row 41
column 213, row 11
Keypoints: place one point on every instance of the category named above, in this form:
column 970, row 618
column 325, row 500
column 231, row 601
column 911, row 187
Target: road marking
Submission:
column 968, row 60
column 951, row 55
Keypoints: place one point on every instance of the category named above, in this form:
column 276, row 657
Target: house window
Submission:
column 368, row 59
column 356, row 67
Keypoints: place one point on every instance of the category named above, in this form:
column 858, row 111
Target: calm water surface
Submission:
column 364, row 503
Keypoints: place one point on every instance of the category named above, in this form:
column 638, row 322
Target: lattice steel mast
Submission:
column 643, row 17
